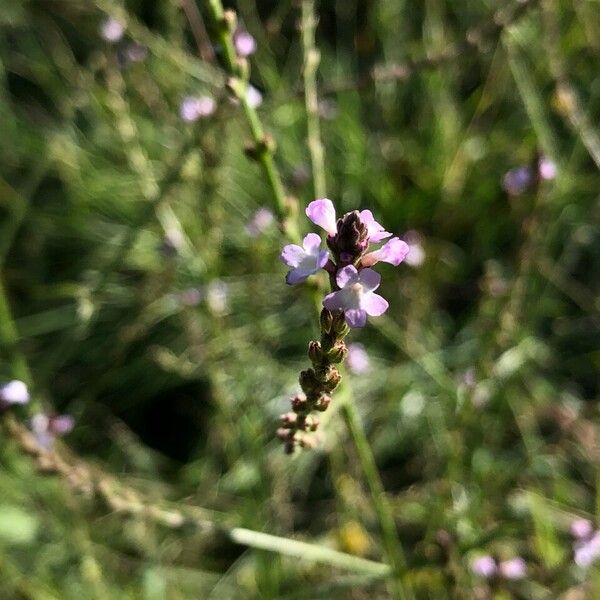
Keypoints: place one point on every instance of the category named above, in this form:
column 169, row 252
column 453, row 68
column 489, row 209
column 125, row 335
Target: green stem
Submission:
column 311, row 62
column 393, row 545
column 239, row 85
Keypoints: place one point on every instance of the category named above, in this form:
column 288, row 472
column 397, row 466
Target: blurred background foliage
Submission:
column 146, row 309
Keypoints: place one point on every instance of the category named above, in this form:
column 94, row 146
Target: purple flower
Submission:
column 47, row 428
column 358, row 359
column 587, row 552
column 393, row 252
column 253, row 96
column 581, row 529
column 112, row 30
column 355, row 296
column 322, row 213
column 517, row 181
column 376, row 231
column 304, row 260
column 515, row 568
column 546, row 168
column 13, row 392
column 244, row 43
column 261, row 220
column 484, row 566
column 193, row 107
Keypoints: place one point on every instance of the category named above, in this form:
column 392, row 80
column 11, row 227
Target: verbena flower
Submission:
column 195, row 107
column 112, row 30
column 515, row 568
column 13, row 392
column 244, row 43
column 581, row 529
column 587, row 552
column 260, row 221
column 47, row 428
column 517, row 181
column 484, row 566
column 356, row 295
column 322, row 213
column 546, row 168
column 358, row 359
column 304, row 260
column 253, row 96
column 393, row 252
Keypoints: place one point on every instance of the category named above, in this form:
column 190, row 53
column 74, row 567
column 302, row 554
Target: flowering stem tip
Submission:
column 348, row 260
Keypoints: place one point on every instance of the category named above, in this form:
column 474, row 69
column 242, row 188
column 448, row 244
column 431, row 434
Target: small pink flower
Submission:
column 193, row 108
column 515, row 568
column 358, row 359
column 46, row 429
column 581, row 529
column 322, row 213
column 304, row 260
column 376, row 231
column 587, row 552
column 261, row 220
column 484, row 566
column 546, row 168
column 244, row 43
column 13, row 392
column 356, row 295
column 393, row 252
column 112, row 30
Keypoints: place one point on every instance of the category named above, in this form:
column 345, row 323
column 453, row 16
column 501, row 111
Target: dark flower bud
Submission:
column 352, row 238
column 309, row 382
column 339, row 327
column 299, row 403
column 315, row 353
column 331, row 379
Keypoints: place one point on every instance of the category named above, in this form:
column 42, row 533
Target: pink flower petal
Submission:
column 296, row 275
column 355, row 317
column 334, row 301
column 394, row 251
column 346, row 275
column 311, row 243
column 291, row 255
column 369, row 279
column 376, row 231
column 374, row 304
column 322, row 213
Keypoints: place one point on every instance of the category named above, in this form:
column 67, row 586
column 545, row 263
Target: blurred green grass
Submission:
column 480, row 404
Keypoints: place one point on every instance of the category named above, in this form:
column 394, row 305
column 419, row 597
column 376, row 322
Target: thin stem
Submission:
column 311, row 62
column 238, row 83
column 126, row 500
column 393, row 545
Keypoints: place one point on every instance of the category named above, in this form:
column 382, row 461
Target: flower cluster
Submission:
column 586, row 545
column 486, row 566
column 13, row 392
column 348, row 261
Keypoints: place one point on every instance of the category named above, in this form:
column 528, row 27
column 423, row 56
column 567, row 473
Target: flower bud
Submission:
column 315, row 353
column 331, row 379
column 322, row 404
column 299, row 403
column 311, row 424
column 283, row 434
column 338, row 353
column 309, row 382
column 339, row 327
column 288, row 420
